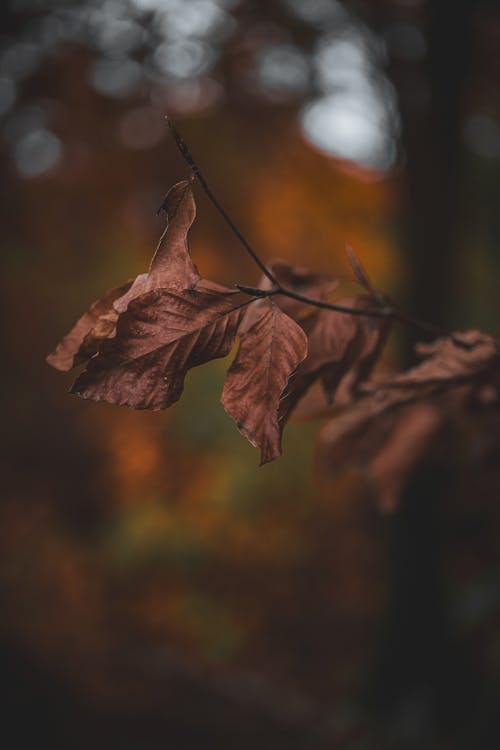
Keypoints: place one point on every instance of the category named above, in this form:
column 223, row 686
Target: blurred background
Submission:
column 157, row 588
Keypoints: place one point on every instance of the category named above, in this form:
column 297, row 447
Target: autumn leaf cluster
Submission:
column 139, row 340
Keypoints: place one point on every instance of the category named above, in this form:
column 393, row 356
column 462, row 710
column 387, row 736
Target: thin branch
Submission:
column 380, row 312
column 386, row 312
column 383, row 311
column 185, row 153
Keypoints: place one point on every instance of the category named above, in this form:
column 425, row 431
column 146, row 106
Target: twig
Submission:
column 386, row 312
column 379, row 312
column 203, row 183
column 363, row 278
column 383, row 311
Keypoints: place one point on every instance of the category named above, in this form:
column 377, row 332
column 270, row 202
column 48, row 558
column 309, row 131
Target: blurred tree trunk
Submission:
column 420, row 681
column 431, row 97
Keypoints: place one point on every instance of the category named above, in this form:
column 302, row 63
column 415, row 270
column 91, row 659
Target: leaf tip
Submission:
column 268, row 457
column 54, row 359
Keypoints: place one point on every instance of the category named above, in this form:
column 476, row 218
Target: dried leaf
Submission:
column 160, row 336
column 171, row 268
column 269, row 353
column 446, row 364
column 96, row 324
column 172, row 264
column 390, row 433
column 331, row 345
column 341, row 349
column 387, row 443
column 409, row 442
column 351, row 438
column 371, row 336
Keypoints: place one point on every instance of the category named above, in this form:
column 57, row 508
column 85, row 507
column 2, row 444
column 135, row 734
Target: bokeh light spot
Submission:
column 341, row 62
column 187, row 97
column 196, row 18
column 350, row 128
column 185, row 58
column 116, row 77
column 283, row 69
column 117, row 36
column 37, row 152
column 317, row 12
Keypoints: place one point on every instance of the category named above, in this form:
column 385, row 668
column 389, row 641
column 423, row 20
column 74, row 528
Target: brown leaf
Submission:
column 371, row 336
column 447, row 364
column 351, row 438
column 332, row 343
column 269, row 353
column 409, row 442
column 171, row 268
column 388, row 443
column 393, row 431
column 160, row 336
column 96, row 324
column 341, row 349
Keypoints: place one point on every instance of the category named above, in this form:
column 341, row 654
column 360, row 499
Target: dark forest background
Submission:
column 157, row 588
